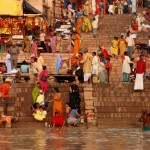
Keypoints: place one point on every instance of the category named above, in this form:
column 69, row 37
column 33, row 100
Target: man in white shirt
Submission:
column 40, row 63
column 35, row 69
column 130, row 44
column 94, row 64
column 42, row 40
column 94, row 26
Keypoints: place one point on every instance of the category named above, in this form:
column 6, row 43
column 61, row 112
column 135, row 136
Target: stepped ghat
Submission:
column 114, row 104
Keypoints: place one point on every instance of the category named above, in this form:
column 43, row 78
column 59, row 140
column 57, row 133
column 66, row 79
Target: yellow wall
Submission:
column 11, row 7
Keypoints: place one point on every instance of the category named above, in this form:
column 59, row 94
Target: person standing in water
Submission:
column 4, row 89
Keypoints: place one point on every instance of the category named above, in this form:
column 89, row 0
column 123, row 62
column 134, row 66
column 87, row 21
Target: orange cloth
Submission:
column 74, row 61
column 5, row 119
column 4, row 89
column 1, row 69
column 79, row 25
column 135, row 27
column 76, row 44
column 57, row 104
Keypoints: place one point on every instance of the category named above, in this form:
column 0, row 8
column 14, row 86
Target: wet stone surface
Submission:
column 74, row 139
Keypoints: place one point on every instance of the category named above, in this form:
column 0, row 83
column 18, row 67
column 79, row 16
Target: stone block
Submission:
column 89, row 111
column 89, row 107
column 11, row 108
column 88, row 103
column 88, row 95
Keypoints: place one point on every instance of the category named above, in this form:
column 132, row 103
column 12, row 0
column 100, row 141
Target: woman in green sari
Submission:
column 36, row 92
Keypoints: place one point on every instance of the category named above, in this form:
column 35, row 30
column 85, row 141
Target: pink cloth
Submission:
column 43, row 84
column 53, row 43
column 34, row 49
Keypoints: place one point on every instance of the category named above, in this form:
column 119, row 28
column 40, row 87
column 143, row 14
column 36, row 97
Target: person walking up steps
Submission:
column 140, row 70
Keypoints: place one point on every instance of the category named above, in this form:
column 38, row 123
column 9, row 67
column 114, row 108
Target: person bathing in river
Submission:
column 74, row 117
column 145, row 118
column 57, row 120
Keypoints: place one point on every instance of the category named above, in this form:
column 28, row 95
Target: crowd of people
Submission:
column 72, row 109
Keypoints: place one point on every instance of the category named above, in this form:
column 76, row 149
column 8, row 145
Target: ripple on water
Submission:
column 74, row 139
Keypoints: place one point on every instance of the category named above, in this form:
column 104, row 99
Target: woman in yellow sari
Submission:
column 76, row 38
column 122, row 45
column 86, row 26
column 114, row 50
column 57, row 102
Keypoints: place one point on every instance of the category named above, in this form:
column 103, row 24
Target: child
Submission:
column 108, row 67
column 57, row 120
column 132, row 74
column 68, row 110
column 39, row 113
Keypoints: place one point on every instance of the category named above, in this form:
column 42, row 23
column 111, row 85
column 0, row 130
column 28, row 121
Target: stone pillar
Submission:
column 89, row 105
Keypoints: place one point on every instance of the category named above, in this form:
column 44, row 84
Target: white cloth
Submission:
column 42, row 37
column 130, row 41
column 35, row 67
column 110, row 9
column 101, row 66
column 97, row 19
column 95, row 24
column 40, row 64
column 8, row 63
column 93, row 6
column 70, row 8
column 95, row 65
column 126, row 65
column 87, row 76
column 139, row 82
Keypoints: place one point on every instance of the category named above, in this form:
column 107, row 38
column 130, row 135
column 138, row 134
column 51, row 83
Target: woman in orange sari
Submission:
column 79, row 25
column 57, row 102
column 76, row 38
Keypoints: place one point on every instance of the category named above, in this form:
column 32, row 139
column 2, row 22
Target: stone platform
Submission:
column 115, row 105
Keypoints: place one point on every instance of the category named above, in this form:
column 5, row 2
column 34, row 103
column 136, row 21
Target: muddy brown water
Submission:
column 74, row 139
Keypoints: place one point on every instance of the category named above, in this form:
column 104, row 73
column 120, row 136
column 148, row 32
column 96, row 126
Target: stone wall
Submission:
column 21, row 101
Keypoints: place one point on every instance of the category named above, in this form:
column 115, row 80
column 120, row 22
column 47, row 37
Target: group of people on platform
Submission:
column 72, row 113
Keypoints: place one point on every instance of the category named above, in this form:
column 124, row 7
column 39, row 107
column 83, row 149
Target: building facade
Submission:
column 45, row 6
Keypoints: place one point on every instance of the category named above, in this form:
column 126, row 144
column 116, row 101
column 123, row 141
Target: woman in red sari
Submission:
column 43, row 79
column 97, row 7
column 58, row 120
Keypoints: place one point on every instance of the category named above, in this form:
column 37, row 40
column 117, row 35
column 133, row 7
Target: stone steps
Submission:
column 114, row 123
column 21, row 101
column 116, row 101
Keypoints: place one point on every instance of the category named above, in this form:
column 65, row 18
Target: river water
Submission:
column 74, row 139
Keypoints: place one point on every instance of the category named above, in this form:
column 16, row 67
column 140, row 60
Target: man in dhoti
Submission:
column 87, row 65
column 8, row 62
column 140, row 70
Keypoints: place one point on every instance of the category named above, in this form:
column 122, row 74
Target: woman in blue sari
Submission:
column 58, row 61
